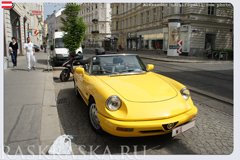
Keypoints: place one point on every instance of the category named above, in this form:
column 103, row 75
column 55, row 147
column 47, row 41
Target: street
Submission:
column 213, row 133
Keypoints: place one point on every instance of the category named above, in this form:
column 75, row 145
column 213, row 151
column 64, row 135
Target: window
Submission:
column 113, row 10
column 123, row 8
column 123, row 24
column 135, row 5
column 147, row 17
column 126, row 23
column 211, row 9
column 172, row 10
column 141, row 18
column 117, row 25
column 126, row 7
column 162, row 12
column 96, row 6
column 167, row 14
column 135, row 20
column 102, row 5
column 130, row 23
column 154, row 14
column 181, row 8
column 130, row 6
column 117, row 10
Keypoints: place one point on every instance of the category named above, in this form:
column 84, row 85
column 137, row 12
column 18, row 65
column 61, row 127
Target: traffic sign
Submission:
column 179, row 43
column 36, row 32
column 179, row 50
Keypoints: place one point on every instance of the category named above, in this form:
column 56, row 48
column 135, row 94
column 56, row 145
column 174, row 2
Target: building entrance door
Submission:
column 210, row 41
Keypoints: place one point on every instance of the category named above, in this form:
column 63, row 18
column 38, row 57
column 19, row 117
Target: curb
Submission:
column 50, row 126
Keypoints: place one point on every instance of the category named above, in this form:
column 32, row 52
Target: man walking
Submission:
column 30, row 54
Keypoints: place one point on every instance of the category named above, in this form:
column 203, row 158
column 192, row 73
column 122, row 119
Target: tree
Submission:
column 74, row 26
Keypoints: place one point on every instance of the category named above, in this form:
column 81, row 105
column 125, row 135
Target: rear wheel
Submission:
column 93, row 118
column 65, row 74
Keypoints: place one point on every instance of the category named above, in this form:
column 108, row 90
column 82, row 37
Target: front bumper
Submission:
column 145, row 128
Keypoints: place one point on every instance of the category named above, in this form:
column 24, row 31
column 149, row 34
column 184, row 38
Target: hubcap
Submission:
column 93, row 116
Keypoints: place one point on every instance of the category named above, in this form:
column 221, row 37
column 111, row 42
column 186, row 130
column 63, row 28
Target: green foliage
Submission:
column 74, row 26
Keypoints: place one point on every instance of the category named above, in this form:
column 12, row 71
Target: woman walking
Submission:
column 13, row 47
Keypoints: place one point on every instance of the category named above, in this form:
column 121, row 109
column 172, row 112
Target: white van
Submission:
column 57, row 51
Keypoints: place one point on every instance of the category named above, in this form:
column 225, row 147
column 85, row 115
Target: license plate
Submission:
column 183, row 128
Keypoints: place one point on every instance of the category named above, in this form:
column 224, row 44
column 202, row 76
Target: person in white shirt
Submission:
column 30, row 54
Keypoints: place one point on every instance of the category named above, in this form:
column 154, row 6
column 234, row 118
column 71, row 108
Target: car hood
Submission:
column 141, row 87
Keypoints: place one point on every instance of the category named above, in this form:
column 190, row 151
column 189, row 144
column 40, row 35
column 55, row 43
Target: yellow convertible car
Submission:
column 126, row 99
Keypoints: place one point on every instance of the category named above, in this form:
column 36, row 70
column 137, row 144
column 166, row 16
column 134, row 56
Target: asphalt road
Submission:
column 212, row 135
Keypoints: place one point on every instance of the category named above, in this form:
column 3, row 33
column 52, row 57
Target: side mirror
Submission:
column 150, row 67
column 51, row 47
column 80, row 70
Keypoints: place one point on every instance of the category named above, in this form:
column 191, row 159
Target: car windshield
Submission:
column 117, row 64
column 59, row 43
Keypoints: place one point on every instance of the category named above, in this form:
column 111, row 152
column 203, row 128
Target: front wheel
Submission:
column 65, row 74
column 93, row 118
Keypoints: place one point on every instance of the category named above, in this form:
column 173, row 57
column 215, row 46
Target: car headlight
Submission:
column 185, row 93
column 113, row 103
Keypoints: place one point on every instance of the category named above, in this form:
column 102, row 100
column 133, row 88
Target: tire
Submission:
column 76, row 91
column 93, row 119
column 65, row 74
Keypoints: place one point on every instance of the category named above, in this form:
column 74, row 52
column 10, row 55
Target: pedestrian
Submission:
column 13, row 48
column 41, row 47
column 30, row 54
column 158, row 48
column 44, row 46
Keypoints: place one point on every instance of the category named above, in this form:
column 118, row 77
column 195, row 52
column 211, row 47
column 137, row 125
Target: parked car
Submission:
column 126, row 99
column 100, row 51
column 36, row 47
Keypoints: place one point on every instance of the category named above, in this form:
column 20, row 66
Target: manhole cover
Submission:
column 62, row 101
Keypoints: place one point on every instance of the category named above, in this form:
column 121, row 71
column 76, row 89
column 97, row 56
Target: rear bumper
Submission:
column 145, row 128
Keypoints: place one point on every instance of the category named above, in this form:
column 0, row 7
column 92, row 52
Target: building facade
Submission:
column 142, row 25
column 97, row 16
column 54, row 22
column 17, row 21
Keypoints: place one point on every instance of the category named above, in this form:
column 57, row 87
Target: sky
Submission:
column 50, row 7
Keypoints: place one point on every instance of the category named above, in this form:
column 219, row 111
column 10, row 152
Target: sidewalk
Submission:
column 30, row 113
column 152, row 55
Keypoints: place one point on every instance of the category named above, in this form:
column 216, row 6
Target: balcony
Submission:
column 95, row 20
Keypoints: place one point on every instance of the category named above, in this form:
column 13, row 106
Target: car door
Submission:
column 83, row 85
